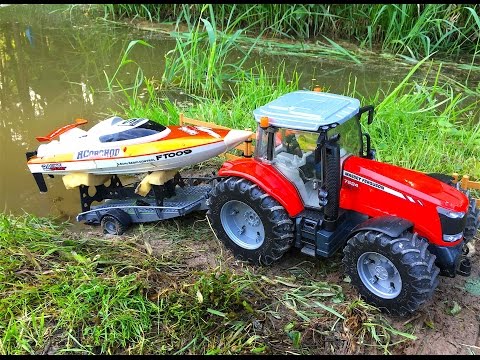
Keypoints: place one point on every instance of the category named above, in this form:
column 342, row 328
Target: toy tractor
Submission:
column 314, row 183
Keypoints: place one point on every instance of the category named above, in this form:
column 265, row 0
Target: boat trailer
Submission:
column 121, row 205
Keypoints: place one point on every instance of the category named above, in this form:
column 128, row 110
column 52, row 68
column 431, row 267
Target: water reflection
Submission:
column 36, row 101
column 14, row 63
column 52, row 65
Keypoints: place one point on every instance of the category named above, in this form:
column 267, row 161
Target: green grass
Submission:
column 249, row 92
column 65, row 293
column 427, row 127
column 233, row 109
column 227, row 103
column 52, row 284
column 206, row 57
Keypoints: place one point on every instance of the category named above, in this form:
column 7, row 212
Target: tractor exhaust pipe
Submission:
column 332, row 182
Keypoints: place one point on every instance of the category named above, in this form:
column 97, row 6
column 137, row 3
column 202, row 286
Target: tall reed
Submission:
column 251, row 90
column 416, row 30
column 208, row 56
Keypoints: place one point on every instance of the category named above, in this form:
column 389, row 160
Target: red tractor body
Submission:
column 368, row 187
column 374, row 188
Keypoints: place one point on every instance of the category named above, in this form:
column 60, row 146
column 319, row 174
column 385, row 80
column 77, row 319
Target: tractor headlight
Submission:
column 449, row 213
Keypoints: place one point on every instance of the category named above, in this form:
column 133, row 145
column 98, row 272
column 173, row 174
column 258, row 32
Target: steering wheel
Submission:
column 293, row 147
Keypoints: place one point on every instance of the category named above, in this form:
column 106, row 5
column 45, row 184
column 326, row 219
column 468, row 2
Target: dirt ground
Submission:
column 441, row 333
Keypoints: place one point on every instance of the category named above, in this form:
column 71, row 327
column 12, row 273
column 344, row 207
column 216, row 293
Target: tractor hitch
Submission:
column 465, row 267
column 451, row 260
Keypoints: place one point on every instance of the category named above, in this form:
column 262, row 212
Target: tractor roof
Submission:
column 308, row 110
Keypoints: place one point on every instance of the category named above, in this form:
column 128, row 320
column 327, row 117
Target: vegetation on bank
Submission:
column 428, row 124
column 416, row 30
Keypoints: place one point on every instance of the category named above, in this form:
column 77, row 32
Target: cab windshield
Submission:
column 293, row 148
column 350, row 136
column 302, row 144
column 146, row 129
column 294, row 153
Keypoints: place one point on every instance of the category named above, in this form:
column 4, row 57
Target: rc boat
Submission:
column 131, row 146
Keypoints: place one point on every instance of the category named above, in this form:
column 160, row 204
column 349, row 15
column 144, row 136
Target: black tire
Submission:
column 413, row 264
column 111, row 225
column 277, row 226
column 473, row 219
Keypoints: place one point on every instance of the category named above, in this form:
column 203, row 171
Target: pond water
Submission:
column 53, row 62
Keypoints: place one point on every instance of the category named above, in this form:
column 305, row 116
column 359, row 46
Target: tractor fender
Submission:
column 392, row 226
column 268, row 179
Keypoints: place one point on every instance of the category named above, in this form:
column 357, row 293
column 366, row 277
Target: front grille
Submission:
column 451, row 226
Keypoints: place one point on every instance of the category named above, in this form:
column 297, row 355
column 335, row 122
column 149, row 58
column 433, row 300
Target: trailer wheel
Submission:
column 397, row 275
column 113, row 225
column 249, row 222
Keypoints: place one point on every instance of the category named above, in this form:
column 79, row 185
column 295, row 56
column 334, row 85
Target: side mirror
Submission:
column 370, row 110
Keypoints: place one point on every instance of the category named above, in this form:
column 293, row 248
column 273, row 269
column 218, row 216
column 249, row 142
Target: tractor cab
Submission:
column 295, row 131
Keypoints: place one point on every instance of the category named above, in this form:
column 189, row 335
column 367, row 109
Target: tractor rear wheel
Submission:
column 249, row 222
column 397, row 275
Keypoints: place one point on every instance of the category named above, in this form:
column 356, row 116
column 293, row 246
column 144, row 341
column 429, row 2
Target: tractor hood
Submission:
column 409, row 185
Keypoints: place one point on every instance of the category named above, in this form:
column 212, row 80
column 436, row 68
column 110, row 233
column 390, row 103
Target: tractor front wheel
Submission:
column 249, row 222
column 397, row 275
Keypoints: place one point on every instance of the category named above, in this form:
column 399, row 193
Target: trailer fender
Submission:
column 268, row 179
column 392, row 226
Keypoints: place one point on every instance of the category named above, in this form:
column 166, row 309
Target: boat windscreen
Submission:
column 146, row 129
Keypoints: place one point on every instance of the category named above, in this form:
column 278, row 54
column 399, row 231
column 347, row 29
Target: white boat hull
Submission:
column 137, row 164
